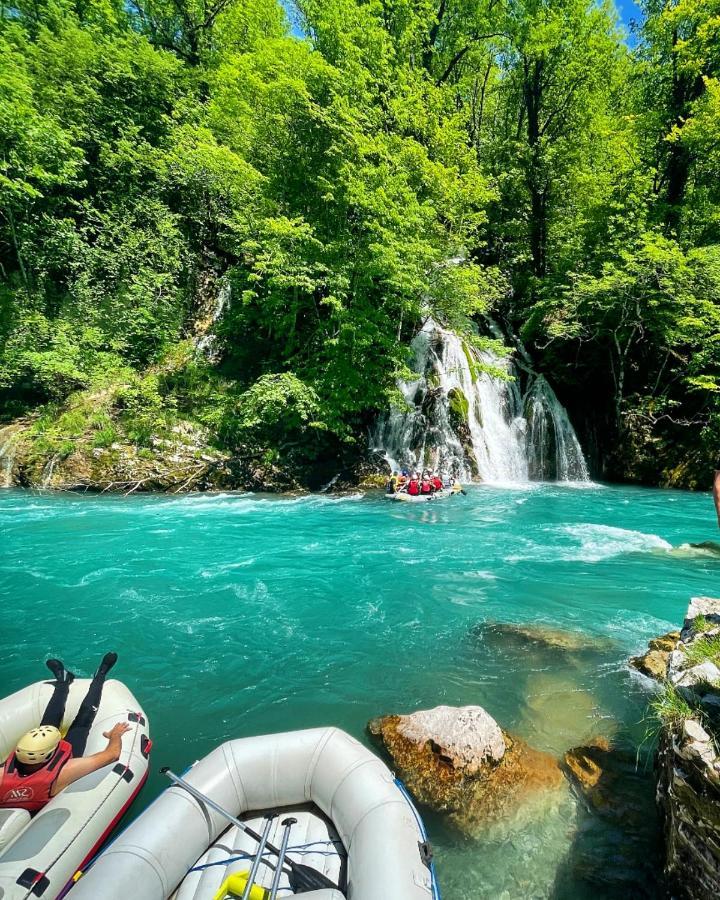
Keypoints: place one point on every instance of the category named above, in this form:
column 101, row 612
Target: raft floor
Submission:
column 314, row 839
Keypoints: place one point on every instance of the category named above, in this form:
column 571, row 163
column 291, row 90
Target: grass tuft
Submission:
column 700, row 624
column 671, row 708
column 704, row 649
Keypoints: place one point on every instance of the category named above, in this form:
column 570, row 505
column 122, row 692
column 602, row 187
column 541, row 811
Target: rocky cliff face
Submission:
column 689, row 756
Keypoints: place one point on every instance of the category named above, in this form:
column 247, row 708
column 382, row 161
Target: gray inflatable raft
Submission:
column 355, row 824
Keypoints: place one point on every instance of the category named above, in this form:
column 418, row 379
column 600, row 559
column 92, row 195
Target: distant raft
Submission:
column 40, row 855
column 337, row 807
column 446, row 493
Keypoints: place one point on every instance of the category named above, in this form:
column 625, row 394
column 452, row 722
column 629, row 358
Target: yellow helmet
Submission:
column 38, row 745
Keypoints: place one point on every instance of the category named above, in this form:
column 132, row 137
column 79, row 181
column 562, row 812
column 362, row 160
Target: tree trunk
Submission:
column 537, row 188
column 685, row 90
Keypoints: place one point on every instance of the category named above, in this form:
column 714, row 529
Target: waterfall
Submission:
column 554, row 452
column 463, row 420
column 9, row 440
column 49, row 470
column 205, row 340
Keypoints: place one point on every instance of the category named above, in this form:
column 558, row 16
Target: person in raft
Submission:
column 426, row 485
column 43, row 764
column 414, row 485
column 392, row 487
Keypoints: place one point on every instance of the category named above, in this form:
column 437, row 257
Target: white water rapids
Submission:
column 464, row 421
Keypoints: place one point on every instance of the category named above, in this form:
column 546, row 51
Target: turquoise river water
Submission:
column 236, row 615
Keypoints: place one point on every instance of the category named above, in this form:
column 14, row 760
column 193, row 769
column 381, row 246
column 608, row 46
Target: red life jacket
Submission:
column 426, row 488
column 31, row 791
column 413, row 488
column 437, row 484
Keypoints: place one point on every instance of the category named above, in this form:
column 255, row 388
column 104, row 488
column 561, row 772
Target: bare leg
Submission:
column 716, row 494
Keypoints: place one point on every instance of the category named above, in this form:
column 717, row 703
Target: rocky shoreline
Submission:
column 179, row 460
column 688, row 759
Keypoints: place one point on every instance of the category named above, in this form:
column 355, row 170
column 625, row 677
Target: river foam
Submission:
column 597, row 542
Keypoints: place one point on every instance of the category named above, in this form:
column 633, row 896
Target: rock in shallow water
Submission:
column 457, row 760
column 654, row 663
column 544, row 636
column 609, row 780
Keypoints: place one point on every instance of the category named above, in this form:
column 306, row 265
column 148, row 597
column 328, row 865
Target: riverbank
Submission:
column 85, row 450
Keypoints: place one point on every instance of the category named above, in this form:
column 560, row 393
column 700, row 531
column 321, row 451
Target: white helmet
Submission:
column 38, row 745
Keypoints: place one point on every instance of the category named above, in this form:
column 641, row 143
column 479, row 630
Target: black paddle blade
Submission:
column 304, row 878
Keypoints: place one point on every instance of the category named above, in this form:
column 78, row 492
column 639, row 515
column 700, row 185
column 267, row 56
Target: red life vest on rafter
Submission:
column 31, row 791
column 426, row 488
column 437, row 484
column 413, row 488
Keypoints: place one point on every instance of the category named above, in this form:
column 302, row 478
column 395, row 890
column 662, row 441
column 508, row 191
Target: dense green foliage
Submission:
column 169, row 167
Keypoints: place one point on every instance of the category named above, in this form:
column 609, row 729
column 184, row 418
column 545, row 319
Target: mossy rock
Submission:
column 373, row 481
column 459, row 407
column 433, row 380
column 471, row 361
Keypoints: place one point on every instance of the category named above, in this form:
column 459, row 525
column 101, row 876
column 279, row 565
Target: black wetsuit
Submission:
column 80, row 729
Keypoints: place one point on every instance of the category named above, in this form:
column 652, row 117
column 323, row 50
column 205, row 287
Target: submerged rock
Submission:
column 601, row 775
column 457, row 760
column 616, row 820
column 704, row 548
column 545, row 636
column 558, row 711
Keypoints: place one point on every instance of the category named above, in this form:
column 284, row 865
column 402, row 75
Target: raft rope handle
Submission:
column 423, row 833
column 300, row 849
column 106, row 846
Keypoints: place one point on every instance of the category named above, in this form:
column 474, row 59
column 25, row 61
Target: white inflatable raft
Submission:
column 355, row 824
column 404, row 497
column 40, row 855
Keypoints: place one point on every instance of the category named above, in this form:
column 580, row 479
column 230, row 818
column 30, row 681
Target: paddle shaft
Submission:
column 258, row 858
column 275, row 886
column 311, row 877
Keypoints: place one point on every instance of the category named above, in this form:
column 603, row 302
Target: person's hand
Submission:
column 117, row 731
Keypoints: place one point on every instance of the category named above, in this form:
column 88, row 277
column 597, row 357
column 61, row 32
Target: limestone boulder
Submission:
column 705, row 610
column 654, row 663
column 705, row 673
column 666, row 643
column 457, row 760
column 466, row 737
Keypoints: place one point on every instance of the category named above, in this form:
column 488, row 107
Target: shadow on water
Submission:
column 616, row 849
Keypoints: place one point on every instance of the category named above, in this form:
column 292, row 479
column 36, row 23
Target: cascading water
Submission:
column 473, row 423
column 9, row 440
column 554, row 452
column 206, row 340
